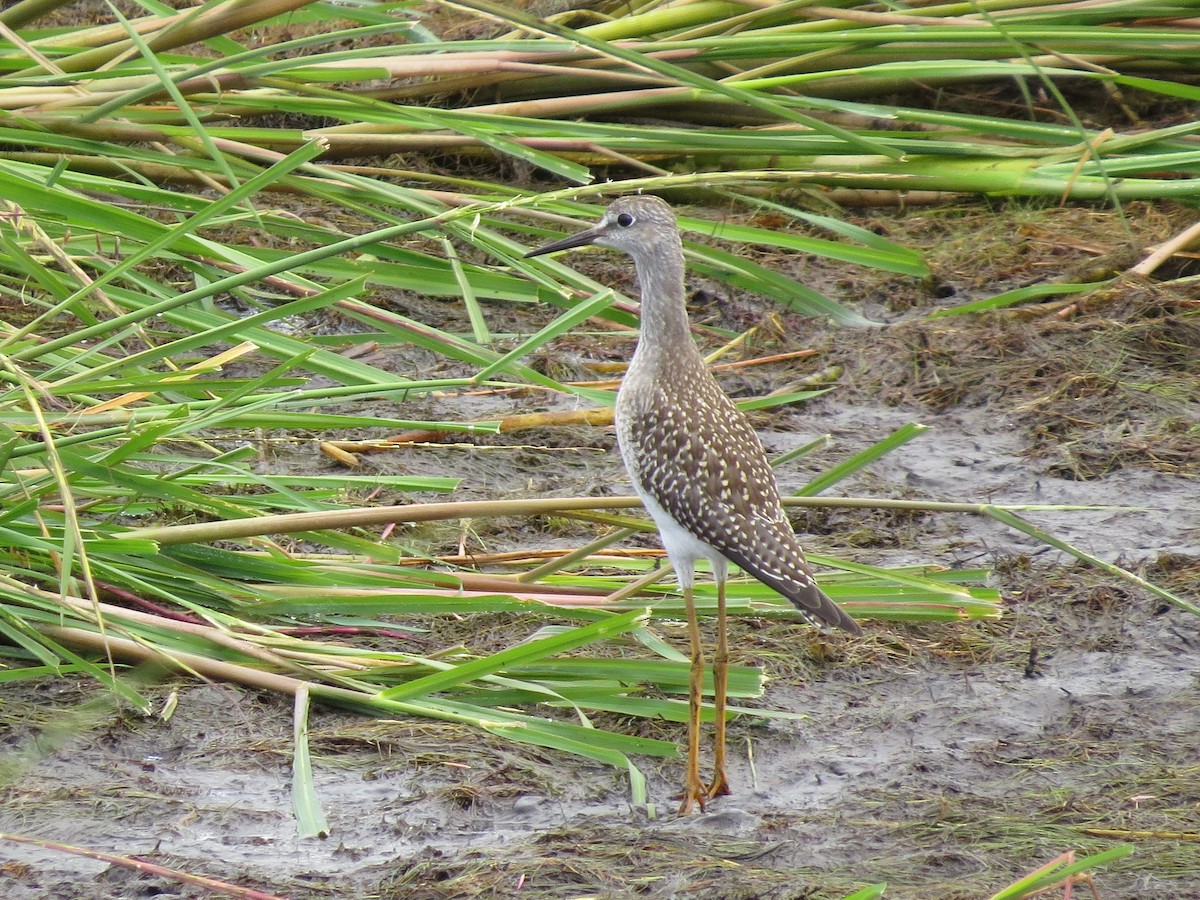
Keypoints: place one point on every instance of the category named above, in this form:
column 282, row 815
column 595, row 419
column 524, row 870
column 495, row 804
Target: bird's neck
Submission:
column 665, row 334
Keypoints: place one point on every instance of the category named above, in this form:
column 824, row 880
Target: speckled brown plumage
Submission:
column 683, row 440
column 695, row 461
column 690, row 448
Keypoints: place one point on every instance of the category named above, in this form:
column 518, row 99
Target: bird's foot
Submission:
column 694, row 794
column 691, row 801
column 718, row 788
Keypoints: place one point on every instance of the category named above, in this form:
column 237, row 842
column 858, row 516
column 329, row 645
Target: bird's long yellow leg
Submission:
column 720, row 784
column 693, row 787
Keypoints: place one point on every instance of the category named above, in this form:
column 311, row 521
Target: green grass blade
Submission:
column 564, row 323
column 1059, row 873
column 522, row 653
column 1012, row 520
column 310, row 818
column 793, row 295
column 862, row 459
column 1020, row 295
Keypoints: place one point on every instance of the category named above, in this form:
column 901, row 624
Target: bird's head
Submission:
column 634, row 224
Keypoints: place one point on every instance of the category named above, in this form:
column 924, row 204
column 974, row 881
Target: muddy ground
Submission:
column 946, row 760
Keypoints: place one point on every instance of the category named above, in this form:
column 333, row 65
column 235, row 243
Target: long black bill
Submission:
column 575, row 240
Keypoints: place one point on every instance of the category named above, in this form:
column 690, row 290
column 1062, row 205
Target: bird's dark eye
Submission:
column 624, row 220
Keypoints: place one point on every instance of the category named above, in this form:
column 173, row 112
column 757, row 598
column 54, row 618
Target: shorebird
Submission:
column 697, row 464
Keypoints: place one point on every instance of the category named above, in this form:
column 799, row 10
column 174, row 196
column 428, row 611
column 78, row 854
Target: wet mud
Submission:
column 946, row 760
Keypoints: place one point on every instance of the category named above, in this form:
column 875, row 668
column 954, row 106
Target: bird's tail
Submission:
column 776, row 558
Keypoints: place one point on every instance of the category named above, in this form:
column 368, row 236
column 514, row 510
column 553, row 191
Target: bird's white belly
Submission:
column 683, row 548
